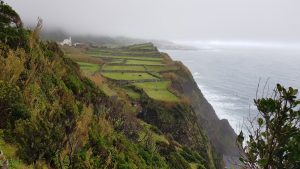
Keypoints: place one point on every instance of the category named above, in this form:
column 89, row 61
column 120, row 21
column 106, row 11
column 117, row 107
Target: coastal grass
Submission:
column 114, row 61
column 159, row 85
column 132, row 94
column 161, row 68
column 79, row 55
column 145, row 46
column 131, row 57
column 158, row 90
column 162, row 95
column 123, row 68
column 143, row 62
column 128, row 76
column 155, row 136
column 89, row 68
column 108, row 91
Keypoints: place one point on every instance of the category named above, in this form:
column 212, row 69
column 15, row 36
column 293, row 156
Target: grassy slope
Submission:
column 123, row 67
column 129, row 76
column 158, row 91
column 143, row 62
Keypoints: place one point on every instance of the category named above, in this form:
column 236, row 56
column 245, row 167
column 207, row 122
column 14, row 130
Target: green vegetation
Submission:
column 108, row 91
column 160, row 85
column 143, row 62
column 132, row 57
column 162, row 95
column 132, row 94
column 158, row 90
column 275, row 141
column 88, row 68
column 53, row 116
column 143, row 47
column 160, row 68
column 124, row 68
column 129, row 76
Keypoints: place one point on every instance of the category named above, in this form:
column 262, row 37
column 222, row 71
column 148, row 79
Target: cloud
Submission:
column 270, row 20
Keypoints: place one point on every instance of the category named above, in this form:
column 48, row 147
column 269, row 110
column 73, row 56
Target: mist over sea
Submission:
column 228, row 76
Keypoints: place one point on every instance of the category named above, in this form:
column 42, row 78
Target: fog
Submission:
column 184, row 20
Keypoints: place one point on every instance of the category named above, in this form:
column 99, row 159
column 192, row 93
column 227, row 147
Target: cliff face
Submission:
column 219, row 131
column 179, row 121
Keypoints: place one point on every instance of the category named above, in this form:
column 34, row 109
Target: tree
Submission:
column 275, row 141
column 11, row 27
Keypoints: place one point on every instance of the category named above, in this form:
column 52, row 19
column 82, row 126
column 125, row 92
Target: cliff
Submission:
column 98, row 107
column 219, row 131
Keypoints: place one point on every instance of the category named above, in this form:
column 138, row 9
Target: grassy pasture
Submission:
column 115, row 61
column 131, row 57
column 162, row 95
column 78, row 55
column 160, row 68
column 124, row 68
column 143, row 62
column 128, row 76
column 158, row 90
column 99, row 52
column 146, row 46
column 132, row 94
column 88, row 68
column 108, row 91
column 160, row 85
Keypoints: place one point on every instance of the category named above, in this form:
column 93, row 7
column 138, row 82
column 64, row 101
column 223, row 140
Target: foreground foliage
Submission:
column 275, row 142
column 54, row 117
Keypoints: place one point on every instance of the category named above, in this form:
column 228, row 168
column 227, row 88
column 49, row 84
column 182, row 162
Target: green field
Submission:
column 97, row 52
column 161, row 68
column 163, row 95
column 88, row 67
column 158, row 90
column 123, row 68
column 132, row 94
column 128, row 76
column 108, row 91
column 143, row 62
column 115, row 61
column 160, row 85
column 131, row 57
column 145, row 46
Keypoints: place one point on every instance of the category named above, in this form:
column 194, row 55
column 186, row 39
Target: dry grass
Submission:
column 79, row 55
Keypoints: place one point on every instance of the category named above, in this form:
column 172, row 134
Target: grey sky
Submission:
column 254, row 20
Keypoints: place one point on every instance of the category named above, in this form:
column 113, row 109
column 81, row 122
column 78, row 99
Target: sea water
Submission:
column 230, row 78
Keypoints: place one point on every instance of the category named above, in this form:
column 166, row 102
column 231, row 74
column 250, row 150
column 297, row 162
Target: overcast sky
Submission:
column 238, row 20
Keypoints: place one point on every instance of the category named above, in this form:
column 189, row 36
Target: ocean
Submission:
column 229, row 76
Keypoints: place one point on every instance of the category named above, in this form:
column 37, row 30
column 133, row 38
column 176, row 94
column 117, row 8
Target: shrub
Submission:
column 274, row 142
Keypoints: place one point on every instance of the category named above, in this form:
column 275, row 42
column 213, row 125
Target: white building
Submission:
column 66, row 42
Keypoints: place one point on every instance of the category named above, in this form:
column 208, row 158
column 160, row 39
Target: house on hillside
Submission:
column 66, row 42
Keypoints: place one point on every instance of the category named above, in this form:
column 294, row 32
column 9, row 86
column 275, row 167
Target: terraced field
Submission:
column 88, row 68
column 143, row 62
column 140, row 66
column 128, row 76
column 157, row 90
column 123, row 68
column 161, row 68
column 130, row 57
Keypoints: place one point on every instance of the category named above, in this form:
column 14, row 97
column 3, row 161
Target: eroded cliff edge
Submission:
column 219, row 131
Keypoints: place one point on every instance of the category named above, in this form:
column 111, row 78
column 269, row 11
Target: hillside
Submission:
column 98, row 107
column 140, row 71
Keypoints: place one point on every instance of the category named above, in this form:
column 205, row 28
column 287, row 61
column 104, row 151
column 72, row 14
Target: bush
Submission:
column 274, row 142
column 11, row 106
